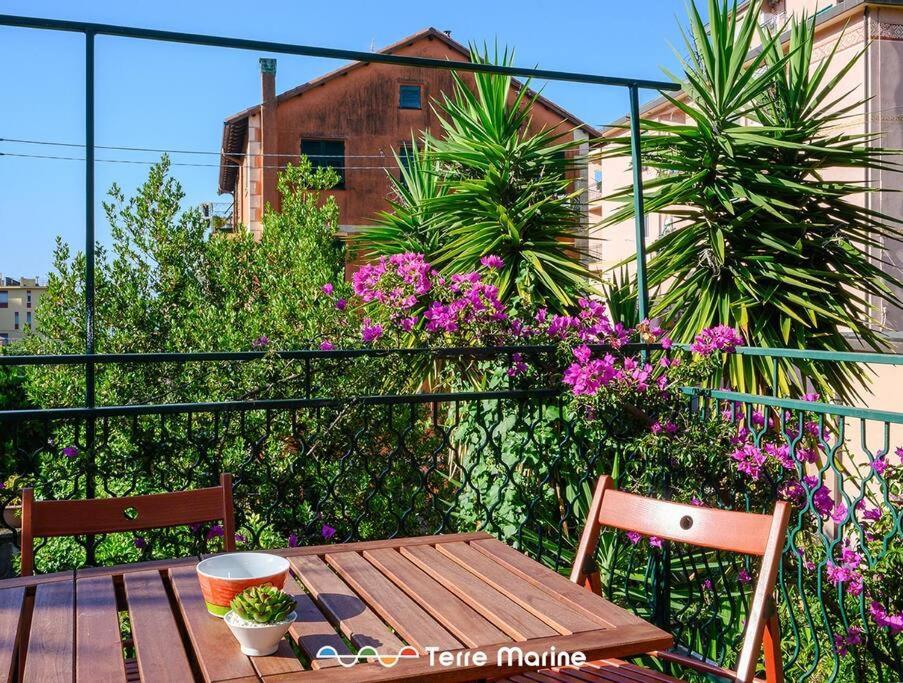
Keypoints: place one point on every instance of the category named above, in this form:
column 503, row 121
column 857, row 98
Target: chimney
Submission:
column 269, row 135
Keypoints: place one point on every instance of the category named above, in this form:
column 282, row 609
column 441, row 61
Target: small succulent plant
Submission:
column 264, row 604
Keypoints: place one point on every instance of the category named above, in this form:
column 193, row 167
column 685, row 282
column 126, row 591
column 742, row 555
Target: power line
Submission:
column 50, row 143
column 176, row 163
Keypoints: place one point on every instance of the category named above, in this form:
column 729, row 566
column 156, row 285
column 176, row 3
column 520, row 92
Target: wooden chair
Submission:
column 739, row 532
column 130, row 513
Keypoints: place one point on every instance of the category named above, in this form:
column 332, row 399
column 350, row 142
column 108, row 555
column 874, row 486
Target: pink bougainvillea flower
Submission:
column 811, row 398
column 839, row 513
column 493, row 262
column 749, row 460
column 743, row 576
column 720, row 338
column 634, row 537
column 655, row 542
column 370, row 332
column 879, row 465
column 326, row 345
column 327, row 289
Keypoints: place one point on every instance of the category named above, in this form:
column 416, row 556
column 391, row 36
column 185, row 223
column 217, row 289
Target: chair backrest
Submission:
column 41, row 519
column 740, row 532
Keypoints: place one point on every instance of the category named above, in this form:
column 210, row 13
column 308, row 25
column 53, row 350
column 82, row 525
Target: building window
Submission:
column 28, row 299
column 4, row 299
column 409, row 97
column 326, row 154
column 16, row 322
column 597, row 179
column 28, row 319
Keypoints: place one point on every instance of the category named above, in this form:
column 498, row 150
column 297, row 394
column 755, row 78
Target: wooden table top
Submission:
column 465, row 593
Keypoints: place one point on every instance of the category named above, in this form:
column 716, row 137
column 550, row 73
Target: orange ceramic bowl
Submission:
column 224, row 576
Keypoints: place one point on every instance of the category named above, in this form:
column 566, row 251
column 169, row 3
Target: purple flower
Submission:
column 493, row 262
column 541, row 315
column 811, row 398
column 293, row 540
column 240, row 538
column 697, row 502
column 327, row 532
column 749, row 460
column 215, row 530
column 341, row 304
column 327, row 289
column 518, row 366
column 70, row 451
column 899, row 453
column 707, row 584
column 882, row 618
column 655, row 542
column 720, row 338
column 140, row 542
column 872, row 514
column 743, row 576
column 839, row 513
column 634, row 537
column 326, row 345
column 585, row 379
column 370, row 332
column 260, row 342
column 666, row 343
column 879, row 464
column 843, row 642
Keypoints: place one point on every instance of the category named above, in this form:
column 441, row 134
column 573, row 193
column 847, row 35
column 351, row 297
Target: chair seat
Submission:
column 602, row 671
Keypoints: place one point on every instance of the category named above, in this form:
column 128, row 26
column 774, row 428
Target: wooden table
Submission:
column 466, row 593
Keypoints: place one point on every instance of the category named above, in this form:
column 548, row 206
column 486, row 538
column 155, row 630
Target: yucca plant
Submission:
column 411, row 224
column 767, row 239
column 509, row 193
column 489, row 184
column 264, row 604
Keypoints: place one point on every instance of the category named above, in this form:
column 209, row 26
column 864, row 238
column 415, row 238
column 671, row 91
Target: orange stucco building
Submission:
column 352, row 119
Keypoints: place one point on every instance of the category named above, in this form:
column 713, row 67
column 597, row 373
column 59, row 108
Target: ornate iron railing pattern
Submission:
column 510, row 461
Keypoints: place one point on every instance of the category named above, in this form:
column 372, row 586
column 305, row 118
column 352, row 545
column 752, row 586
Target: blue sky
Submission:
column 160, row 95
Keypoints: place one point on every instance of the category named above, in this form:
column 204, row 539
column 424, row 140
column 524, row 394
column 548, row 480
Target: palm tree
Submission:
column 767, row 239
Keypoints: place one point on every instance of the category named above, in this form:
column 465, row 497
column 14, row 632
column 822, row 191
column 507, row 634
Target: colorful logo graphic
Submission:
column 367, row 653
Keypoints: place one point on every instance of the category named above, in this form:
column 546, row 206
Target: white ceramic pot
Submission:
column 258, row 640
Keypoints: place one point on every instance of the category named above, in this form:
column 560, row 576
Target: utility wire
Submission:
column 176, row 163
column 181, row 151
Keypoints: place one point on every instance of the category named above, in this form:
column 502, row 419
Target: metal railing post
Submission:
column 638, row 208
column 90, row 368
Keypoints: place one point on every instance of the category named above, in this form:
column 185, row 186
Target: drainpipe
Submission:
column 268, row 132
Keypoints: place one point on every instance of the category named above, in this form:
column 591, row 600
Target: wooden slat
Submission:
column 283, row 661
column 343, row 608
column 51, row 641
column 404, row 615
column 360, row 546
column 98, row 654
column 583, row 601
column 450, row 611
column 160, row 652
column 217, row 652
column 120, row 569
column 486, row 600
column 311, row 629
column 12, row 600
column 555, row 612
column 17, row 581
